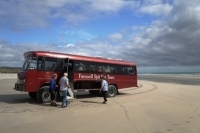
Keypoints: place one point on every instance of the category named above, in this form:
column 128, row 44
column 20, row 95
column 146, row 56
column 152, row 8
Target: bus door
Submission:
column 68, row 67
column 65, row 65
column 30, row 66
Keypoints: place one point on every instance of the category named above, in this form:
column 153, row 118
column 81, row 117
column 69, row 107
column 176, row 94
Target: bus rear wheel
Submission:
column 43, row 95
column 112, row 91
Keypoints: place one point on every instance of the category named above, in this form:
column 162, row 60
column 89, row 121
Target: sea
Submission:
column 171, row 73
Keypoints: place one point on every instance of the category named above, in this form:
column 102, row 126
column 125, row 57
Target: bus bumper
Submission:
column 19, row 87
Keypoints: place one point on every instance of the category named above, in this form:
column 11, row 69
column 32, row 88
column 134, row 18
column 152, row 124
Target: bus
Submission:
column 84, row 73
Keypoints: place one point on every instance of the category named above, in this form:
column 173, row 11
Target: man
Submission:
column 64, row 85
column 52, row 89
column 104, row 89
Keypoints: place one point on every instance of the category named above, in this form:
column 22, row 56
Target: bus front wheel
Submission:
column 112, row 91
column 43, row 95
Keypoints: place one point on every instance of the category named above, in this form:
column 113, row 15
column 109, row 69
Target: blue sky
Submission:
column 155, row 34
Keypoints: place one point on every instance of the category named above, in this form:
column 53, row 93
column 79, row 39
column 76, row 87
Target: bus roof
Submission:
column 79, row 57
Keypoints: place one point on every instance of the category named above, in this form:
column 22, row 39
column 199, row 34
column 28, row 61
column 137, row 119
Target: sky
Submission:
column 157, row 35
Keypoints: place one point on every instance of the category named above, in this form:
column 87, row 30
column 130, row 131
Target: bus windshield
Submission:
column 30, row 63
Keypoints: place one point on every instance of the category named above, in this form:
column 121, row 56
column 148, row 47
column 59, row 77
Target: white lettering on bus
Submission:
column 94, row 76
column 81, row 76
column 97, row 76
column 110, row 77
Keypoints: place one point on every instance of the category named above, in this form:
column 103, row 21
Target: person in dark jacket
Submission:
column 52, row 89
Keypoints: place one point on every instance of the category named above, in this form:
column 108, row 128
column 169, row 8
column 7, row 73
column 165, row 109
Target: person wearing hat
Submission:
column 104, row 89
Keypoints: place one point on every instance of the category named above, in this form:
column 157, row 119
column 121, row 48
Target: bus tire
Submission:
column 43, row 95
column 32, row 94
column 112, row 91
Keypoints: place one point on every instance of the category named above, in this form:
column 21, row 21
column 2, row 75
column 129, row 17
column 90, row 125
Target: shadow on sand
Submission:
column 87, row 101
column 17, row 98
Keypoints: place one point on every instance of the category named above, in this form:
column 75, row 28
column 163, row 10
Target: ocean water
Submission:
column 186, row 78
column 172, row 73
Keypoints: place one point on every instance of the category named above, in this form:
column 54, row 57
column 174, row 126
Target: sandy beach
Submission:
column 160, row 104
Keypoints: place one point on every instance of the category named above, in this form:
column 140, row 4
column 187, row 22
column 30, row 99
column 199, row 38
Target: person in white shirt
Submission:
column 64, row 85
column 104, row 89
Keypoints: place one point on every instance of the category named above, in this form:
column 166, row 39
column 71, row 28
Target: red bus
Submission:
column 84, row 73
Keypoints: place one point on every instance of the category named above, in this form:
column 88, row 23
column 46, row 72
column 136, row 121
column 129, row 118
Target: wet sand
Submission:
column 161, row 104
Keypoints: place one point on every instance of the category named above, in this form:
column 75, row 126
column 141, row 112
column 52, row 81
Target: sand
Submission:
column 8, row 76
column 153, row 107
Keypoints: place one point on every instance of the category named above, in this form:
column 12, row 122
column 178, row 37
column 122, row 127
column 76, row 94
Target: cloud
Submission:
column 67, row 45
column 108, row 5
column 115, row 37
column 158, row 9
column 22, row 14
column 9, row 55
column 172, row 40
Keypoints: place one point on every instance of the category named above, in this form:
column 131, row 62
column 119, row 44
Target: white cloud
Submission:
column 169, row 41
column 7, row 55
column 69, row 45
column 57, row 3
column 173, row 40
column 115, row 37
column 107, row 5
column 23, row 14
column 158, row 9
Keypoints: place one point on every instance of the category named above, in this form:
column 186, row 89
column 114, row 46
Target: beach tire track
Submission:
column 154, row 87
column 140, row 86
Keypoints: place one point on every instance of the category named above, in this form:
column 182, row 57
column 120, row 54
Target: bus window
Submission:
column 32, row 65
column 92, row 68
column 79, row 66
column 49, row 63
column 53, row 67
column 59, row 65
column 87, row 67
column 107, row 69
column 129, row 70
column 99, row 69
column 119, row 69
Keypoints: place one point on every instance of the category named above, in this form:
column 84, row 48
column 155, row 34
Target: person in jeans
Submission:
column 52, row 89
column 64, row 85
column 104, row 89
